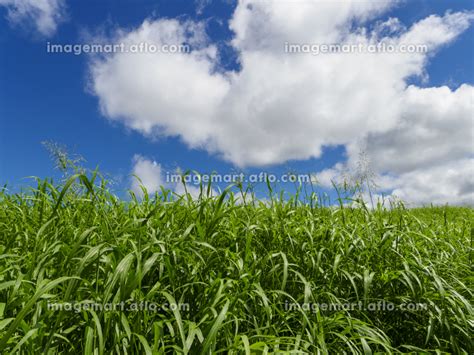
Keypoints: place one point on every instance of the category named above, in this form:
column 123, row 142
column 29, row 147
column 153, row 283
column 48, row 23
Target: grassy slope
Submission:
column 235, row 266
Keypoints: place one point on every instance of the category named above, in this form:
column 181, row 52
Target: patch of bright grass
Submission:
column 244, row 278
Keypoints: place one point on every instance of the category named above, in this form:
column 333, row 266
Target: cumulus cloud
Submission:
column 283, row 106
column 452, row 181
column 167, row 94
column 427, row 157
column 435, row 127
column 150, row 174
column 447, row 183
column 45, row 15
column 152, row 177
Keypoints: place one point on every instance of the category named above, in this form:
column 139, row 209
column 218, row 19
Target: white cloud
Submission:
column 427, row 157
column 266, row 25
column 447, row 183
column 435, row 127
column 167, row 94
column 328, row 177
column 150, row 174
column 193, row 191
column 44, row 14
column 282, row 106
column 152, row 178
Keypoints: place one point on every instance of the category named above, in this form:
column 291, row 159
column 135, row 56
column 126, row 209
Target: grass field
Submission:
column 213, row 275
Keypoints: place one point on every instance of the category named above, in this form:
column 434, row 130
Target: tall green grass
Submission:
column 237, row 265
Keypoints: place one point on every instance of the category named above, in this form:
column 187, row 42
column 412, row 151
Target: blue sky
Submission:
column 57, row 97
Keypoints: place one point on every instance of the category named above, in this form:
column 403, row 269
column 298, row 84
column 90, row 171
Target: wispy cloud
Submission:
column 42, row 16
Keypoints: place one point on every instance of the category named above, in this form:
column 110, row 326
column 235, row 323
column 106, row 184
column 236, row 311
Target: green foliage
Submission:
column 237, row 266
